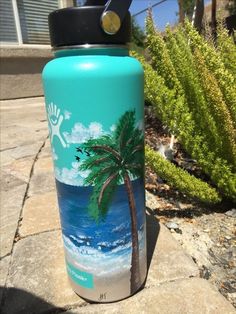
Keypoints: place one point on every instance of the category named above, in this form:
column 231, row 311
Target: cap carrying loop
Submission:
column 113, row 15
column 110, row 22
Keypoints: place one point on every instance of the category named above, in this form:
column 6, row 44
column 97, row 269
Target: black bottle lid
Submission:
column 99, row 22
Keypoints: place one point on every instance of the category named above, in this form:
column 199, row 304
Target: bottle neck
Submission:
column 83, row 50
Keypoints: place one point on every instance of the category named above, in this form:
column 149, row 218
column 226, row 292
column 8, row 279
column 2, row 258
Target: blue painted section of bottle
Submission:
column 95, row 97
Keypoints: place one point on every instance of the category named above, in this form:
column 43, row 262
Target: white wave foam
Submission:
column 95, row 261
column 120, row 227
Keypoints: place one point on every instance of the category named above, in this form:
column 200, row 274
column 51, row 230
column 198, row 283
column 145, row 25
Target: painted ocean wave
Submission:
column 94, row 260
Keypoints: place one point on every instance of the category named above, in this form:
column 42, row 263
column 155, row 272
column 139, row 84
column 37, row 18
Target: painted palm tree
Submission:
column 116, row 159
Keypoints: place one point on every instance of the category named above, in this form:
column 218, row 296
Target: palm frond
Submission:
column 136, row 170
column 135, row 137
column 100, row 173
column 105, row 187
column 136, row 140
column 103, row 148
column 94, row 161
column 135, row 155
column 105, row 140
column 98, row 209
column 125, row 128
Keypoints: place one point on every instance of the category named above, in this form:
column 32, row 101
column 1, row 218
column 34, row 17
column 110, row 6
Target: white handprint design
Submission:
column 55, row 121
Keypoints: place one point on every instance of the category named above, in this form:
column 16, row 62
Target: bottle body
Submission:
column 94, row 104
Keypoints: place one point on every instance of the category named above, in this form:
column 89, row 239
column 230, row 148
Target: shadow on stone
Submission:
column 153, row 229
column 18, row 301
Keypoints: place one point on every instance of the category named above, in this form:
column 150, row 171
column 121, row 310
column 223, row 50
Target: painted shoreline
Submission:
column 101, row 251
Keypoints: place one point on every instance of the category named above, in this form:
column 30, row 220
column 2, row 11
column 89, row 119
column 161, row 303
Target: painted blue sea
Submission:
column 105, row 246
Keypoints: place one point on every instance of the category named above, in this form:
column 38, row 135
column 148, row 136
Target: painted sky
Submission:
column 165, row 13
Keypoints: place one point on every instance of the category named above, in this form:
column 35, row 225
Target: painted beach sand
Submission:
column 98, row 253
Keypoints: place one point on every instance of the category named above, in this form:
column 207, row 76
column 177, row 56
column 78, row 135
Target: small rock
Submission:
column 159, row 180
column 151, row 200
column 172, row 225
column 194, row 259
column 231, row 297
column 205, row 272
column 195, row 235
column 231, row 213
column 178, row 231
column 206, row 230
column 228, row 286
column 227, row 237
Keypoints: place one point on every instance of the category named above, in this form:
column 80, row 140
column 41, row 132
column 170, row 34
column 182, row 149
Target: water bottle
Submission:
column 94, row 105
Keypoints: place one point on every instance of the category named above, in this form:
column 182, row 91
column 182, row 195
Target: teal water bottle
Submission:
column 94, row 104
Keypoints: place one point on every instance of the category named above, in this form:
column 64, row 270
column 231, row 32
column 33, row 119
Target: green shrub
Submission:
column 215, row 64
column 227, row 49
column 180, row 178
column 193, row 93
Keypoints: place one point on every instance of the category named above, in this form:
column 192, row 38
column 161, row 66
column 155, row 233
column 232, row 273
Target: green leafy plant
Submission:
column 226, row 48
column 213, row 61
column 115, row 159
column 180, row 178
column 231, row 6
column 138, row 35
column 193, row 92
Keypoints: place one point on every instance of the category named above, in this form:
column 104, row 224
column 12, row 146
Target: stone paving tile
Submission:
column 43, row 165
column 5, row 158
column 168, row 260
column 46, row 151
column 9, row 181
column 40, row 213
column 21, row 102
column 8, row 156
column 24, row 151
column 24, row 113
column 4, row 264
column 23, row 123
column 16, row 136
column 186, row 296
column 20, row 168
column 41, row 183
column 42, row 180
column 38, row 276
column 11, row 205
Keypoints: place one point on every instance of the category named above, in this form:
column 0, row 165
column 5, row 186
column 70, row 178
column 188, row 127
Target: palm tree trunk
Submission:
column 135, row 280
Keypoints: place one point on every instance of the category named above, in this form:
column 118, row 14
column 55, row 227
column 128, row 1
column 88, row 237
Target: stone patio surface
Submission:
column 33, row 277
